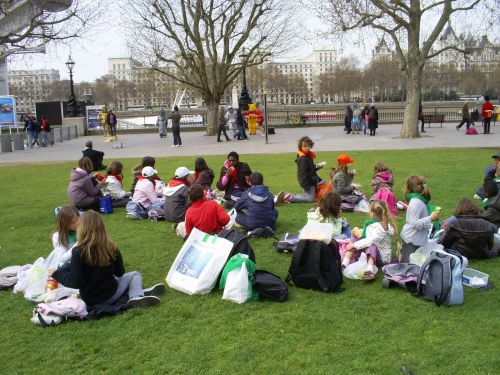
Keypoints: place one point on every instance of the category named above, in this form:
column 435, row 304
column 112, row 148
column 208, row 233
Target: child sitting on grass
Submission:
column 375, row 239
column 97, row 269
column 176, row 195
column 147, row 161
column 419, row 217
column 306, row 174
column 258, row 203
column 83, row 189
column 342, row 178
column 328, row 211
column 114, row 185
column 382, row 183
column 491, row 206
column 205, row 215
column 145, row 197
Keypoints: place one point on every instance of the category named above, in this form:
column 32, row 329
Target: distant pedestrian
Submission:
column 240, row 123
column 94, row 156
column 231, row 120
column 29, row 127
column 421, row 116
column 161, row 122
column 45, row 132
column 222, row 125
column 465, row 116
column 175, row 116
column 112, row 121
column 364, row 115
column 487, row 114
column 348, row 119
column 373, row 120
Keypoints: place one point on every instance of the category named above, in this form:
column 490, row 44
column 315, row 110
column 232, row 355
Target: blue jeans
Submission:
column 131, row 281
column 309, row 195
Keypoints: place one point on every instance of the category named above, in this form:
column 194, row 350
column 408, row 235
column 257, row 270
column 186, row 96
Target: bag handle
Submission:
column 445, row 282
column 297, row 255
column 423, row 268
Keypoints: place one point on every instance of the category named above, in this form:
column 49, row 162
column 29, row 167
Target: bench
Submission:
column 433, row 118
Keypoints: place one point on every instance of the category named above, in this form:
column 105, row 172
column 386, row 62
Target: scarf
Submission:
column 430, row 207
column 71, row 237
column 366, row 224
column 196, row 175
column 486, row 203
column 175, row 182
column 311, row 154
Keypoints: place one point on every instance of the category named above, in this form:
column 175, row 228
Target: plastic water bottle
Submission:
column 50, row 290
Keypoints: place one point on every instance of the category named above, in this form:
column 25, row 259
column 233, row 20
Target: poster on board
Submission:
column 8, row 111
column 93, row 115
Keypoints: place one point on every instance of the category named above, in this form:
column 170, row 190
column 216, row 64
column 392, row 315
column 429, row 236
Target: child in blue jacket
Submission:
column 258, row 203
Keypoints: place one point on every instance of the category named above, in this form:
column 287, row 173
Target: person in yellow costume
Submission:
column 103, row 117
column 252, row 118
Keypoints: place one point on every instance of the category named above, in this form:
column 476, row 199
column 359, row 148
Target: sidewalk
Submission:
column 285, row 140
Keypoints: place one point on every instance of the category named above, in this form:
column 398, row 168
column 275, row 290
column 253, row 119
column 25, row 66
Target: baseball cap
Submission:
column 148, row 171
column 344, row 159
column 182, row 172
column 497, row 156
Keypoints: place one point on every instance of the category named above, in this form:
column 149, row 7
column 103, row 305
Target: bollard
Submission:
column 66, row 134
column 51, row 138
column 18, row 140
column 5, row 143
column 72, row 132
column 57, row 137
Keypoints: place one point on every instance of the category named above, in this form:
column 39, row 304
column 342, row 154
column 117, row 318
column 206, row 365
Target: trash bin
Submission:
column 5, row 143
column 18, row 140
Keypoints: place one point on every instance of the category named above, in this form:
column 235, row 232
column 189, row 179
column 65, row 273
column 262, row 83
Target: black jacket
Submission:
column 471, row 236
column 95, row 156
column 96, row 284
column 306, row 172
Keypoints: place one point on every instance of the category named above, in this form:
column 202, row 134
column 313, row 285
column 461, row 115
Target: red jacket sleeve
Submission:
column 187, row 222
column 222, row 216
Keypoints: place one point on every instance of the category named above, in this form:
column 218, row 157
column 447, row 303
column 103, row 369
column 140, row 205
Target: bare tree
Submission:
column 28, row 25
column 203, row 40
column 403, row 22
column 103, row 91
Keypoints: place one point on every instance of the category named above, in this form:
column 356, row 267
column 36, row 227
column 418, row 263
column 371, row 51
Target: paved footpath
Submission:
column 285, row 140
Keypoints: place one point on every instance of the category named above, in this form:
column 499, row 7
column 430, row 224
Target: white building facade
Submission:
column 29, row 86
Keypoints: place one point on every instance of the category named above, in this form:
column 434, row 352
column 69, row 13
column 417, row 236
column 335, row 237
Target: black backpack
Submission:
column 316, row 265
column 240, row 241
column 270, row 286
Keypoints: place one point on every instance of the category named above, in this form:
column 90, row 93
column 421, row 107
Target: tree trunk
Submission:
column 413, row 87
column 212, row 114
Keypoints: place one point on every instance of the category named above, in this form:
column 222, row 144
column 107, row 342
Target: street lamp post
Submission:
column 73, row 108
column 244, row 100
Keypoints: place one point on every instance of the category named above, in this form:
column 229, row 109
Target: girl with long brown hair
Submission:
column 97, row 268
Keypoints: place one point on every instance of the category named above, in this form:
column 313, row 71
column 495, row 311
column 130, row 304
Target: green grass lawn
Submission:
column 365, row 330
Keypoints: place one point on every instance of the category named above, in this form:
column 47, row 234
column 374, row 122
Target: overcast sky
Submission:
column 91, row 53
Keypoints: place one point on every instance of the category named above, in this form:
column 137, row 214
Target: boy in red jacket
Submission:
column 207, row 216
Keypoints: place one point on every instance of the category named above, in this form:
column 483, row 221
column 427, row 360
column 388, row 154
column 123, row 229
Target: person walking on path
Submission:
column 222, row 125
column 348, row 119
column 45, row 132
column 240, row 123
column 421, row 116
column 487, row 114
column 465, row 116
column 231, row 119
column 112, row 120
column 175, row 116
column 29, row 127
column 373, row 120
column 161, row 122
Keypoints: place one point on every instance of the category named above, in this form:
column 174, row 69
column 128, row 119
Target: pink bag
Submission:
column 71, row 307
column 471, row 131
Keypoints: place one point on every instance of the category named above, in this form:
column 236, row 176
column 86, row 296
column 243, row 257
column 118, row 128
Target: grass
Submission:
column 365, row 330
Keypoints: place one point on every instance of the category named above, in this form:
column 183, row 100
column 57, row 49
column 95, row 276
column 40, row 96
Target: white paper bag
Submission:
column 232, row 219
column 199, row 263
column 317, row 231
column 236, row 288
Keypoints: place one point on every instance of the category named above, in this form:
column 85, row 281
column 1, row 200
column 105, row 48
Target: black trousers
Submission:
column 176, row 132
column 222, row 129
column 464, row 121
column 486, row 124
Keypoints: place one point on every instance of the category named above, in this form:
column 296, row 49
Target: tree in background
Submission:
column 204, row 40
column 403, row 22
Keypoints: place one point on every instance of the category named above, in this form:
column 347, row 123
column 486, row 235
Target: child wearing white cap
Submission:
column 145, row 195
column 176, row 196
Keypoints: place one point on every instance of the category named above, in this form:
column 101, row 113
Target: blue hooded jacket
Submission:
column 258, row 202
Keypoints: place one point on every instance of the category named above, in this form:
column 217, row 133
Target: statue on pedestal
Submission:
column 103, row 117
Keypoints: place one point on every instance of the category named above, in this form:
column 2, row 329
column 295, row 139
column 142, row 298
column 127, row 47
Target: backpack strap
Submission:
column 423, row 267
column 297, row 255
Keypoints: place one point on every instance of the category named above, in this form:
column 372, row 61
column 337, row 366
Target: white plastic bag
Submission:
column 317, row 231
column 236, row 288
column 232, row 219
column 357, row 269
column 199, row 263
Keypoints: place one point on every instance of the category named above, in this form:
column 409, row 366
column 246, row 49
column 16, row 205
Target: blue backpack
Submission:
column 105, row 204
column 440, row 278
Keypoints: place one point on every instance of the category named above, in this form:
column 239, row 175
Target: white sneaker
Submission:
column 279, row 198
column 144, row 301
column 174, row 146
column 477, row 197
column 133, row 216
